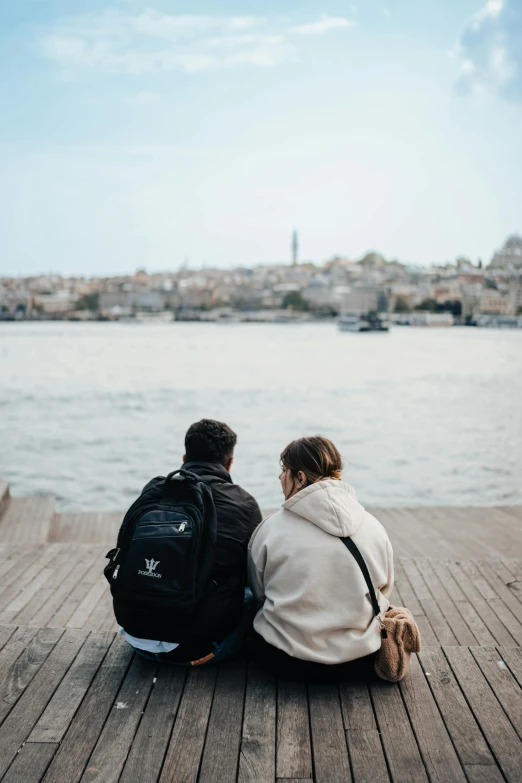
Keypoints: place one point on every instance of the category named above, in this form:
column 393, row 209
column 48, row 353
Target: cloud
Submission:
column 386, row 12
column 490, row 51
column 323, row 25
column 149, row 41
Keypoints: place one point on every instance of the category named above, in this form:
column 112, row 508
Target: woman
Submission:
column 316, row 619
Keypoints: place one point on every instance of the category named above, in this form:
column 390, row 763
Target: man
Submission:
column 216, row 628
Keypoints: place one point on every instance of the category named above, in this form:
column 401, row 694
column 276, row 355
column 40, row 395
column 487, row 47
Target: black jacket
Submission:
column 238, row 514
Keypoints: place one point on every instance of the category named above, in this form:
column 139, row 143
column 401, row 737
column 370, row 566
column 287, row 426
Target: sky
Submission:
column 151, row 134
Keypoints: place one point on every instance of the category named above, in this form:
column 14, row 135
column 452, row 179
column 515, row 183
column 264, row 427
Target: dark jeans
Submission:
column 285, row 667
column 227, row 648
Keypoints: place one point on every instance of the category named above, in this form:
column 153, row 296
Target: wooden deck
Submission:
column 77, row 705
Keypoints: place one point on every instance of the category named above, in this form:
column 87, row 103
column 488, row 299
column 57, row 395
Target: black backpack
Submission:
column 165, row 552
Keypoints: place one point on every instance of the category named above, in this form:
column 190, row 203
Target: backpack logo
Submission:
column 151, row 564
column 151, row 567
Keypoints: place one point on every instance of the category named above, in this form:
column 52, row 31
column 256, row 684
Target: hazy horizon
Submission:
column 137, row 134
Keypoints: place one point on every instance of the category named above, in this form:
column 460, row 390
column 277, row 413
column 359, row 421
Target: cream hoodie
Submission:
column 316, row 604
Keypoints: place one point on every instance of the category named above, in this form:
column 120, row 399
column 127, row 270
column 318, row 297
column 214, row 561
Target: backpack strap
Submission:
column 352, row 547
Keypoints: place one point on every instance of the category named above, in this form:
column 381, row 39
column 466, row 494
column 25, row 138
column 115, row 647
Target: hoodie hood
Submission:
column 331, row 505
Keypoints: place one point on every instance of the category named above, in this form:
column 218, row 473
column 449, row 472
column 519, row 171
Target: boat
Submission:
column 161, row 317
column 227, row 318
column 364, row 322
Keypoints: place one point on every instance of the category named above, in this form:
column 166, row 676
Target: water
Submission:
column 90, row 412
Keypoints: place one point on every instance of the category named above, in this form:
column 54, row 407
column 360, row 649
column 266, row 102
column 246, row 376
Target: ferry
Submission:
column 364, row 322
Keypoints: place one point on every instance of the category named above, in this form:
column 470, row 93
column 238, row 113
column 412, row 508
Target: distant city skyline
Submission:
column 135, row 134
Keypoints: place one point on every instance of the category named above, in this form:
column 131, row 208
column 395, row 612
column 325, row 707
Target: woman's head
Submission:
column 308, row 460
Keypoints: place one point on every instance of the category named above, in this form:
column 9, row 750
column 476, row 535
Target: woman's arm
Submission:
column 256, row 567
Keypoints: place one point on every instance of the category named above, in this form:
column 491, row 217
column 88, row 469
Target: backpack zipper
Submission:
column 115, row 574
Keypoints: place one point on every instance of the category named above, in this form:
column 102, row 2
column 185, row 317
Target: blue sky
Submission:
column 138, row 134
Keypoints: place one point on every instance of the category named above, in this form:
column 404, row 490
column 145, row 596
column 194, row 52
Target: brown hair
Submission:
column 316, row 457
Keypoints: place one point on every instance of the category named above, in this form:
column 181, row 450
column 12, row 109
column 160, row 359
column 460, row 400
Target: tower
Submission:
column 295, row 248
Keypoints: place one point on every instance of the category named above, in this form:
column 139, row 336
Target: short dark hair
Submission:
column 210, row 441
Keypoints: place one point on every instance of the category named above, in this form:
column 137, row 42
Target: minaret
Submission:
column 295, row 248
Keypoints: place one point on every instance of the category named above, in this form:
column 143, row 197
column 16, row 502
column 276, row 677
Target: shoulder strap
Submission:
column 349, row 544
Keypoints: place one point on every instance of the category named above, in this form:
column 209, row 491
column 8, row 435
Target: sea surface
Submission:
column 90, row 412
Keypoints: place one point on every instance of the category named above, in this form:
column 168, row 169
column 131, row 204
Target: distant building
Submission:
column 56, row 304
column 510, row 257
column 494, row 302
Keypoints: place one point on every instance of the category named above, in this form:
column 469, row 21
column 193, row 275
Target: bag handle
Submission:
column 352, row 547
column 185, row 473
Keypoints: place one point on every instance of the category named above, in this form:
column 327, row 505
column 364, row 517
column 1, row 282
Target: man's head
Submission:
column 210, row 441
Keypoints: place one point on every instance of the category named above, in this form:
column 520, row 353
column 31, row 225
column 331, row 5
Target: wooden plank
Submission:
column 515, row 510
column 510, row 577
column 87, row 528
column 27, row 520
column 25, row 575
column 221, row 752
column 330, row 752
column 82, row 735
column 458, row 718
column 397, row 532
column 502, row 683
column 496, row 628
column 449, row 609
column 412, row 602
column 513, row 657
column 59, row 568
column 402, row 753
column 108, row 757
column 5, row 496
column 294, row 752
column 500, row 587
column 467, row 610
column 20, row 660
column 10, row 559
column 496, row 727
column 429, row 606
column 148, row 749
column 20, row 721
column 89, row 603
column 25, row 595
column 31, row 763
column 258, row 745
column 183, row 755
column 6, row 632
column 497, row 605
column 98, row 617
column 486, row 533
column 109, row 623
column 54, row 721
column 477, row 773
column 15, row 579
column 367, row 757
column 81, row 559
column 418, row 528
column 71, row 605
column 362, row 735
column 356, row 706
column 435, row 745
